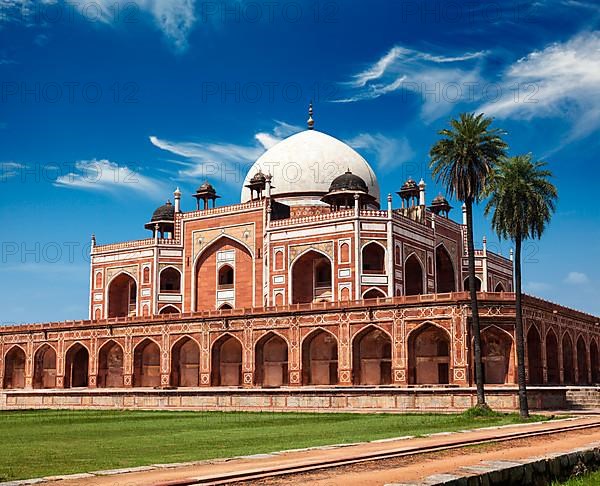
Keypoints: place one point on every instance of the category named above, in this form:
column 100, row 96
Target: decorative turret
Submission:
column 344, row 189
column 162, row 221
column 409, row 193
column 257, row 185
column 440, row 206
column 206, row 192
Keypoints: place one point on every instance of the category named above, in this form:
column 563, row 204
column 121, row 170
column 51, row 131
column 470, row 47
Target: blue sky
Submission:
column 106, row 106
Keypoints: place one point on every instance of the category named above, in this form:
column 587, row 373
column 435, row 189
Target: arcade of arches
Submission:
column 321, row 349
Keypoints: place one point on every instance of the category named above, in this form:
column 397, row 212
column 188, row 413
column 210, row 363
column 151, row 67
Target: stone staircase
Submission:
column 583, row 398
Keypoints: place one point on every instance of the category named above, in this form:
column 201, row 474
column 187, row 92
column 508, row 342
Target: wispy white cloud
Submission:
column 577, row 278
column 106, row 176
column 174, row 18
column 388, row 152
column 441, row 80
column 279, row 132
column 9, row 170
column 560, row 80
column 223, row 161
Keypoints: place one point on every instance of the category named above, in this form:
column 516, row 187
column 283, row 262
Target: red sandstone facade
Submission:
column 286, row 290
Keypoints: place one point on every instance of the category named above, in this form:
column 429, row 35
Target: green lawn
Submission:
column 592, row 479
column 41, row 443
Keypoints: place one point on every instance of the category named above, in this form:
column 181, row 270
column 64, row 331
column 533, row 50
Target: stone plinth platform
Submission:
column 305, row 399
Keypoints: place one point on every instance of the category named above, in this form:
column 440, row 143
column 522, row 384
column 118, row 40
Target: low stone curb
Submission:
column 535, row 471
column 110, row 472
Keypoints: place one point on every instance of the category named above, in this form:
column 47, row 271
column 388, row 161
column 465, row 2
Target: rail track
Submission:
column 267, row 472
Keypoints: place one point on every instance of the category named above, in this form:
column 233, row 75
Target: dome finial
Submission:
column 311, row 121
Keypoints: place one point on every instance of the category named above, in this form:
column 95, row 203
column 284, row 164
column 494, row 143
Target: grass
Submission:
column 47, row 442
column 591, row 479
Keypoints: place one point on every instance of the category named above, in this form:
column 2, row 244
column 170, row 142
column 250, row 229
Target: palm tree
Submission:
column 523, row 200
column 463, row 161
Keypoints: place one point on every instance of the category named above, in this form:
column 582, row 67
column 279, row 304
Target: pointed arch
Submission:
column 77, row 361
column 568, row 362
column 414, row 275
column 477, row 284
column 121, row 293
column 497, row 347
column 429, row 355
column 445, row 275
column 14, row 368
column 169, row 309
column 582, row 367
column 499, row 288
column 534, row 356
column 205, row 290
column 372, row 356
column 373, row 293
column 552, row 354
column 146, row 363
column 225, row 276
column 226, row 360
column 594, row 361
column 373, row 258
column 319, row 358
column 170, row 280
column 110, row 365
column 271, row 360
column 311, row 277
column 185, row 362
column 44, row 367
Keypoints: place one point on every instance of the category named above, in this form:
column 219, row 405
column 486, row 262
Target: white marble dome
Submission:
column 303, row 166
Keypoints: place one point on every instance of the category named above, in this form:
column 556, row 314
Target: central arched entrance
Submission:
column 122, row 296
column 146, row 364
column 14, row 368
column 271, row 364
column 44, row 368
column 185, row 363
column 224, row 275
column 444, row 271
column 428, row 356
column 311, row 278
column 226, row 357
column 372, row 357
column 320, row 359
column 76, row 366
column 110, row 366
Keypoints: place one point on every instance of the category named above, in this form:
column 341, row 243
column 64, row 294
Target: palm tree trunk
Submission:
column 523, row 405
column 474, row 308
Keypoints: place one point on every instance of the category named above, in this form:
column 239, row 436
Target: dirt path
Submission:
column 412, row 469
column 375, row 473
